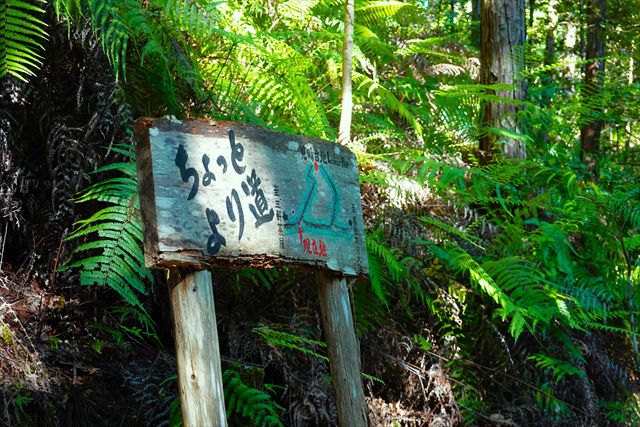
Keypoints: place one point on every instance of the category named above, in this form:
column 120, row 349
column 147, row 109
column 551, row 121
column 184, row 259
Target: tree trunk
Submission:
column 344, row 132
column 501, row 61
column 549, row 60
column 532, row 9
column 592, row 91
column 476, row 36
column 627, row 126
column 550, row 40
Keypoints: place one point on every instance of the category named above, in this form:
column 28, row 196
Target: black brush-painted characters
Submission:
column 251, row 187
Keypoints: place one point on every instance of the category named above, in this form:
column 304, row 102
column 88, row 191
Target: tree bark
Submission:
column 627, row 126
column 593, row 79
column 501, row 61
column 549, row 60
column 344, row 132
column 476, row 34
column 550, row 41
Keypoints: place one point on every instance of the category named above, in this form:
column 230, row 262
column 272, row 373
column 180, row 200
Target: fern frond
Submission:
column 388, row 98
column 21, row 35
column 297, row 10
column 374, row 12
column 378, row 277
column 249, row 402
column 371, row 44
column 452, row 231
column 626, row 412
column 114, row 256
column 201, row 22
column 67, row 8
column 384, row 262
column 426, row 47
column 110, row 27
column 259, row 277
column 590, row 293
column 288, row 340
column 559, row 368
column 462, row 262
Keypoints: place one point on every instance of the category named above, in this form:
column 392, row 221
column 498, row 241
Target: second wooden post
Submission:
column 343, row 347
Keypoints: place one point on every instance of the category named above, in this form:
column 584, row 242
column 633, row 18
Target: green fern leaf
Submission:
column 249, row 402
column 559, row 368
column 110, row 27
column 384, row 266
column 114, row 255
column 292, row 341
column 21, row 34
column 373, row 12
column 388, row 98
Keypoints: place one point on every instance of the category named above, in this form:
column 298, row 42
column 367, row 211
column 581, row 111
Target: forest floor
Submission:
column 71, row 356
column 64, row 362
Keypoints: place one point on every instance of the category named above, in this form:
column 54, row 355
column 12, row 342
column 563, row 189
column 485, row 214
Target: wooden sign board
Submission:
column 226, row 194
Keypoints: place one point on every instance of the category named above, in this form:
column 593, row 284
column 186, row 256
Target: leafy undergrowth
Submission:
column 499, row 295
column 72, row 357
column 68, row 358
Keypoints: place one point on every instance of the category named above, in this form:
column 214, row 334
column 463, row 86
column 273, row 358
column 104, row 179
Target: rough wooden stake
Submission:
column 197, row 349
column 344, row 350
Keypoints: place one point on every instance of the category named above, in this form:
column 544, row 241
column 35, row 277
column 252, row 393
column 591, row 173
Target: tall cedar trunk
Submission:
column 627, row 126
column 501, row 61
column 475, row 23
column 550, row 40
column 344, row 132
column 532, row 9
column 593, row 75
column 549, row 58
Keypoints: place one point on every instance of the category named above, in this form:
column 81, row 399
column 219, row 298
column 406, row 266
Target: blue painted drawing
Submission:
column 312, row 218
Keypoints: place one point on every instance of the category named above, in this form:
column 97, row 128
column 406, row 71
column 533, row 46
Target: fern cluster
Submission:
column 563, row 256
column 249, row 402
column 113, row 255
column 22, row 33
column 291, row 341
column 525, row 253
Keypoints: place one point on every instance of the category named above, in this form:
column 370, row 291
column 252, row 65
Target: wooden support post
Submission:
column 303, row 209
column 344, row 350
column 197, row 349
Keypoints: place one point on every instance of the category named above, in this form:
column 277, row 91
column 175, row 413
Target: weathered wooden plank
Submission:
column 197, row 349
column 343, row 349
column 228, row 194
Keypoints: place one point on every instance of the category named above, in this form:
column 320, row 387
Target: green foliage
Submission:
column 242, row 403
column 245, row 401
column 114, row 255
column 623, row 413
column 259, row 277
column 558, row 368
column 464, row 263
column 384, row 266
column 111, row 29
column 515, row 255
column 175, row 414
column 21, row 37
column 373, row 12
column 291, row 341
